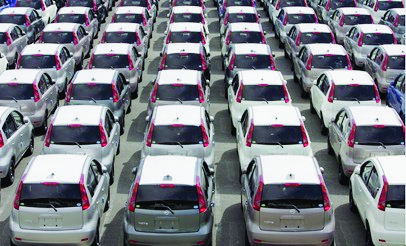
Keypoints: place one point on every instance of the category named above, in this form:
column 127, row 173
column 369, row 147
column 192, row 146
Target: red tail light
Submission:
column 328, row 5
column 330, row 97
column 333, row 39
column 56, row 18
column 351, row 137
column 154, row 92
column 58, row 62
column 239, row 93
column 273, row 66
column 68, row 93
column 263, row 38
column 137, row 36
column 115, row 92
column 94, row 6
column 18, row 193
column 304, row 135
column 382, row 197
column 204, row 134
column 83, row 193
column 342, row 20
column 47, row 140
column 256, row 205
column 40, row 37
column 144, row 20
column 204, row 62
column 103, row 136
column 376, row 8
column 87, row 20
column 133, row 198
column 148, row 5
column 162, row 65
column 226, row 19
column 228, row 38
column 377, row 96
column 9, row 42
column 130, row 63
column 27, row 21
column 103, row 39
column 203, row 19
column 361, row 39
column 36, row 91
column 149, row 136
column 203, row 38
column 114, row 18
column 349, row 66
column 1, row 140
column 285, row 20
column 18, row 62
column 200, row 195
column 394, row 38
column 305, row 4
column 309, row 62
column 75, row 39
column 91, row 61
column 297, row 41
column 42, row 6
column 231, row 65
column 201, row 94
column 396, row 22
column 248, row 142
column 278, row 5
column 326, row 199
column 285, row 91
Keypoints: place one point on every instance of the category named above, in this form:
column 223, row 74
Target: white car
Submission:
column 134, row 14
column 255, row 87
column 3, row 63
column 46, row 8
column 378, row 7
column 237, row 14
column 188, row 14
column 273, row 7
column 80, row 15
column 336, row 89
column 377, row 192
column 271, row 130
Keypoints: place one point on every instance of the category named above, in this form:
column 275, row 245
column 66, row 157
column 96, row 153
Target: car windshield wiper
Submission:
column 265, row 100
column 14, row 99
column 355, row 99
column 162, row 205
column 273, row 204
column 373, row 143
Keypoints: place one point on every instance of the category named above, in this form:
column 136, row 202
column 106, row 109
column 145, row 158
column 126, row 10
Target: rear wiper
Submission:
column 265, row 100
column 285, row 205
column 180, row 144
column 78, row 145
column 94, row 100
column 14, row 99
column 355, row 99
column 164, row 206
column 373, row 143
column 179, row 100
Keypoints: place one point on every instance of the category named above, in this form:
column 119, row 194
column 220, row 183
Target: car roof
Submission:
column 185, row 26
column 251, row 49
column 313, row 27
column 275, row 114
column 87, row 115
column 44, row 49
column 99, row 76
column 178, row 76
column 354, row 11
column 172, row 48
column 254, row 77
column 346, row 77
column 399, row 11
column 130, row 9
column 122, row 27
column 76, row 10
column 3, row 109
column 4, row 27
column 321, row 49
column 277, row 169
column 62, row 27
column 177, row 114
column 60, row 168
column 16, row 10
column 112, row 48
column 23, row 76
column 181, row 170
column 374, row 28
column 187, row 9
column 393, row 167
column 245, row 26
column 241, row 10
column 394, row 49
column 298, row 10
column 374, row 115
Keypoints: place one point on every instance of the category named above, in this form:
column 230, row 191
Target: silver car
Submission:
column 395, row 19
column 12, row 42
column 33, row 92
column 60, row 200
column 325, row 8
column 80, row 15
column 134, row 14
column 16, row 139
column 84, row 129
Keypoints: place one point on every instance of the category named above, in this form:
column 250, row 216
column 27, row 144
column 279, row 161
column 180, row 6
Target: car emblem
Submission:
column 292, row 211
column 167, row 212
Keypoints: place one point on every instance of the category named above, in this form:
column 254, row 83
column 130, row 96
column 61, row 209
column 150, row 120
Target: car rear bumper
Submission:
column 37, row 119
column 395, row 238
column 348, row 165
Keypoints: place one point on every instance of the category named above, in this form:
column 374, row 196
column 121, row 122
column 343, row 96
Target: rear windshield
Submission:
column 235, row 18
column 57, row 37
column 75, row 134
column 110, row 61
column 239, row 3
column 354, row 92
column 188, row 3
column 177, row 92
column 38, row 61
column 253, row 61
column 196, row 18
column 385, row 5
column 50, row 195
column 395, row 198
column 140, row 3
column 185, row 37
column 15, row 19
column 177, row 134
column 160, row 198
column 316, row 37
column 396, row 62
column 288, row 196
column 401, row 20
column 378, row 135
column 92, row 91
column 378, row 38
column 246, row 37
column 301, row 18
column 263, row 93
column 29, row 3
column 357, row 19
column 292, row 3
column 72, row 18
column 329, row 61
column 275, row 135
column 14, row 91
column 121, row 37
column 3, row 38
column 183, row 61
column 83, row 3
column 131, row 18
column 342, row 3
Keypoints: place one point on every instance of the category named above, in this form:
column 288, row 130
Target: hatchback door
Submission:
column 395, row 208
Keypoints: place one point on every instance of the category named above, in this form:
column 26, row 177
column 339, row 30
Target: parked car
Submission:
column 238, row 14
column 396, row 95
column 224, row 4
column 273, row 7
column 99, row 7
column 12, row 42
column 377, row 192
column 80, row 15
column 378, row 7
column 137, row 15
column 188, row 14
column 46, row 8
column 7, row 4
column 325, row 8
column 60, row 200
column 395, row 19
column 197, row 3
column 151, row 5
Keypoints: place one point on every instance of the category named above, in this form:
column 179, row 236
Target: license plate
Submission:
column 164, row 223
column 379, row 153
column 50, row 221
column 292, row 224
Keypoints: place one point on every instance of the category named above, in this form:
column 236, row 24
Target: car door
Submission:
column 360, row 186
column 95, row 189
column 115, row 129
column 84, row 40
column 290, row 41
column 37, row 23
column 241, row 133
column 50, row 9
column 232, row 95
column 373, row 62
column 144, row 40
column 123, row 102
column 349, row 41
column 399, row 93
column 13, row 140
column 249, row 181
column 45, row 103
column 334, row 21
column 21, row 40
column 279, row 21
column 210, row 130
column 137, row 61
column 22, row 132
column 94, row 22
column 317, row 93
column 301, row 60
column 336, row 131
column 68, row 63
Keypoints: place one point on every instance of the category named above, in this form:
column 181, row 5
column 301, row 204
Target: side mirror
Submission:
column 71, row 54
column 208, row 55
column 205, row 15
column 160, row 54
column 357, row 170
column 303, row 118
column 104, row 169
column 116, row 119
column 211, row 118
column 259, row 16
column 273, row 54
column 166, row 32
column 147, row 118
column 134, row 170
column 264, row 33
column 167, row 15
column 26, row 119
column 332, row 119
column 211, row 171
column 322, row 170
column 314, row 82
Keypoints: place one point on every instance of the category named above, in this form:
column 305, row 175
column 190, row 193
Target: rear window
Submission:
column 378, row 38
column 242, row 17
column 92, row 91
column 378, row 135
column 354, row 92
column 188, row 3
column 287, row 196
column 120, row 37
column 177, row 92
column 83, row 3
column 183, row 61
column 357, row 19
column 177, row 134
column 140, row 3
column 15, row 19
column 196, row 18
column 37, row 61
column 316, row 37
column 385, row 5
column 16, row 91
column 75, row 134
column 72, row 18
column 329, row 61
column 396, row 62
column 253, row 61
column 131, row 18
column 29, row 3
column 301, row 18
column 3, row 38
column 342, row 3
column 110, row 61
column 246, row 37
column 263, row 93
column 239, row 3
column 57, row 37
column 48, row 196
column 292, row 3
column 159, row 198
column 395, row 198
column 185, row 37
column 275, row 135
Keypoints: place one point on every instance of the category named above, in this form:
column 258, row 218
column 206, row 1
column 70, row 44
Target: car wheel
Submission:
column 342, row 179
column 312, row 110
column 233, row 130
column 61, row 94
column 122, row 127
column 351, row 203
column 96, row 241
column 323, row 128
column 247, row 241
column 330, row 150
column 79, row 66
column 30, row 149
column 112, row 172
column 134, row 94
column 11, row 243
column 43, row 128
column 118, row 148
column 129, row 107
column 107, row 206
column 303, row 93
column 285, row 53
column 368, row 237
column 12, row 66
column 9, row 180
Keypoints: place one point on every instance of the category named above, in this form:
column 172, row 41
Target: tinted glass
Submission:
column 177, row 92
column 401, row 20
column 121, row 37
column 354, row 92
column 3, row 38
column 284, row 196
column 48, row 196
column 83, row 3
column 16, row 91
column 378, row 38
column 377, row 135
column 110, row 61
column 131, row 18
column 301, row 18
column 141, row 3
column 342, row 3
column 395, row 198
column 188, row 3
column 29, row 3
column 246, row 37
column 57, row 37
column 311, row 38
column 196, row 18
column 239, row 3
column 37, row 61
column 263, row 93
column 175, row 134
column 329, row 61
column 72, row 18
column 292, row 3
column 75, row 134
column 253, row 61
column 275, row 135
column 92, row 91
column 396, row 62
column 235, row 18
column 185, row 61
column 357, row 19
column 15, row 19
column 385, row 5
column 185, row 37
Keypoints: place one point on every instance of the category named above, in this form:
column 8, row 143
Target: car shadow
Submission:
column 153, row 65
column 158, row 44
column 222, row 121
column 137, row 128
column 126, row 175
column 229, row 169
column 111, row 229
column 348, row 227
column 231, row 229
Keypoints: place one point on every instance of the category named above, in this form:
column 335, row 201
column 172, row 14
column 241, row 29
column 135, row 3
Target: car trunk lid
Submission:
column 395, row 208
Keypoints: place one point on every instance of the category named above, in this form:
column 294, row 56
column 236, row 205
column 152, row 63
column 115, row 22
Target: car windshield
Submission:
column 395, row 198
column 188, row 3
column 378, row 38
column 15, row 19
column 140, row 3
column 16, row 91
column 277, row 134
column 301, row 18
column 83, row 3
column 184, row 61
column 37, row 61
column 57, row 37
column 131, row 18
column 316, row 37
column 75, row 134
column 187, row 17
column 177, row 92
column 354, row 92
column 160, row 197
column 92, row 91
column 3, row 38
column 385, row 5
column 329, row 61
column 185, row 37
column 239, row 3
column 357, row 19
column 335, row 4
column 121, row 37
column 253, row 61
column 50, row 195
column 72, row 18
column 242, row 17
column 110, row 61
column 263, row 92
column 291, row 196
column 396, row 62
column 289, row 3
column 177, row 134
column 246, row 37
column 379, row 134
column 29, row 3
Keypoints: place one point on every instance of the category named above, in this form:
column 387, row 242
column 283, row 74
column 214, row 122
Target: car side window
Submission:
column 147, row 15
column 320, row 82
column 391, row 17
column 366, row 171
column 379, row 57
column 204, row 182
column 304, row 56
column 96, row 170
column 47, row 80
column 244, row 122
column 371, row 3
column 110, row 117
column 91, row 15
column 62, row 56
column 206, row 115
column 48, row 3
column 346, row 126
column 292, row 33
column 373, row 53
column 18, row 119
column 80, row 33
column 107, row 125
column 19, row 31
column 281, row 14
column 42, row 85
column 235, row 84
column 339, row 119
column 98, row 2
column 14, row 35
column 203, row 79
column 373, row 183
column 32, row 17
column 9, row 126
column 66, row 52
column 326, row 85
column 356, row 35
column 119, row 86
column 402, row 87
column 135, row 53
column 141, row 33
column 252, row 179
column 91, row 181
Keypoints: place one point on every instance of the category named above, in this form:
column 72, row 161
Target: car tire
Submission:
column 118, row 148
column 281, row 44
column 107, row 206
column 61, row 95
column 129, row 107
column 330, row 150
column 9, row 179
column 134, row 94
column 30, row 149
column 342, row 179
column 44, row 127
column 323, row 128
column 11, row 243
column 79, row 66
column 96, row 241
column 13, row 66
column 122, row 126
column 312, row 110
column 112, row 173
column 247, row 242
column 285, row 53
column 303, row 94
column 351, row 203
column 368, row 237
column 233, row 130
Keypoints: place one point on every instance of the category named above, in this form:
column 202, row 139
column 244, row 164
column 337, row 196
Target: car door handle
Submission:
column 102, row 189
column 243, row 189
